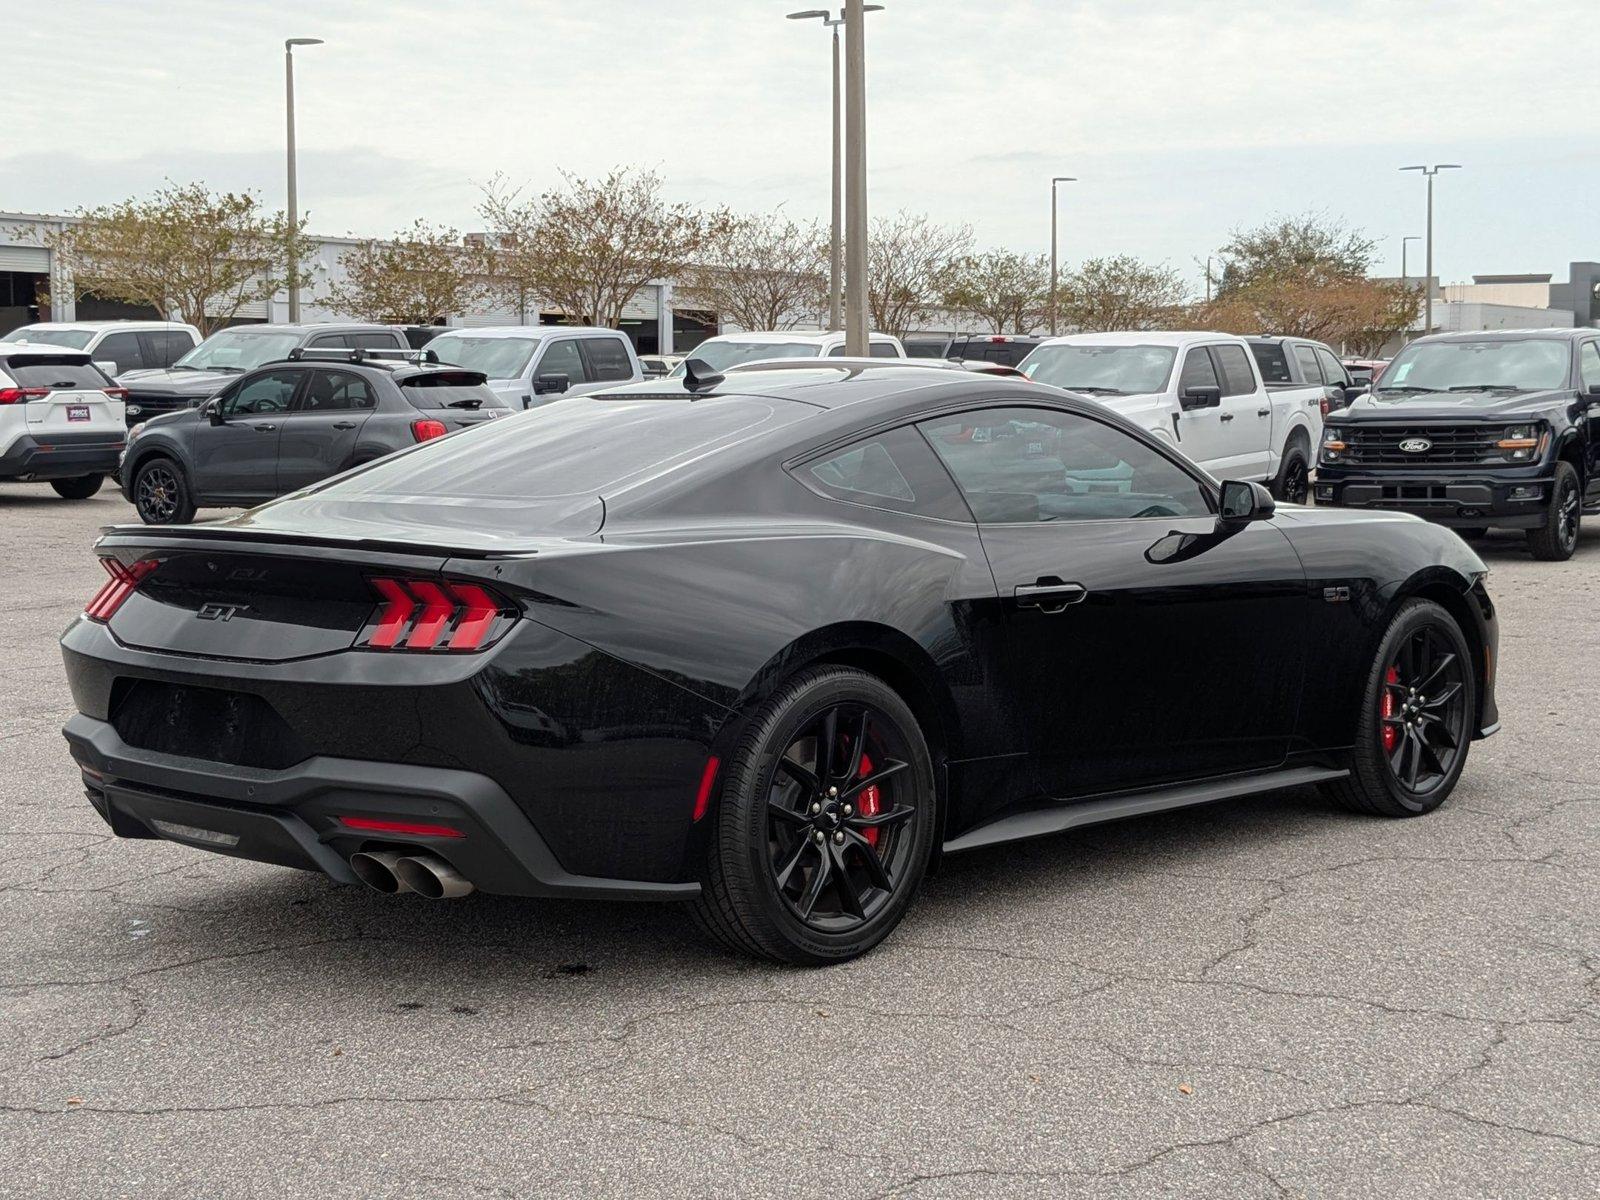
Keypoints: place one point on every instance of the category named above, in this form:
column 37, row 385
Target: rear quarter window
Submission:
column 1273, row 362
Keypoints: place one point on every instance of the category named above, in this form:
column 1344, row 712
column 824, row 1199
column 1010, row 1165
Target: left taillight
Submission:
column 123, row 583
column 426, row 429
column 116, row 393
column 423, row 614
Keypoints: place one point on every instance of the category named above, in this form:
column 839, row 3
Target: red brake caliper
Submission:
column 1391, row 733
column 869, row 801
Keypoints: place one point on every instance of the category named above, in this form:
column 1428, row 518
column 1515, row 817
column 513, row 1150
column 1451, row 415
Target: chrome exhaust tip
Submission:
column 430, row 876
column 376, row 869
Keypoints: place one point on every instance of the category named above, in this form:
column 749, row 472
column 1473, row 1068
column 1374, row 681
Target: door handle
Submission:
column 344, row 424
column 1227, row 416
column 266, row 427
column 1050, row 595
column 1263, row 412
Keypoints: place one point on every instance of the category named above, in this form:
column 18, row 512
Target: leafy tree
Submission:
column 1121, row 292
column 588, row 247
column 1311, row 248
column 183, row 251
column 417, row 277
column 1007, row 291
column 909, row 264
column 761, row 272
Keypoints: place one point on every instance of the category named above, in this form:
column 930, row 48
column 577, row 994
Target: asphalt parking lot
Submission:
column 1263, row 998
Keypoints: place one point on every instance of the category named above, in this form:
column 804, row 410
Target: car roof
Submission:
column 833, row 384
column 30, row 349
column 791, row 335
column 1150, row 337
column 96, row 326
column 505, row 331
column 1551, row 333
column 307, row 329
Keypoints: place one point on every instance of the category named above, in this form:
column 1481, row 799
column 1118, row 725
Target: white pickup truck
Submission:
column 1201, row 392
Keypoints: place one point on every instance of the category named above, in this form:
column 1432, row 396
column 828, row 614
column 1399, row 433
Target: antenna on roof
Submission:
column 699, row 375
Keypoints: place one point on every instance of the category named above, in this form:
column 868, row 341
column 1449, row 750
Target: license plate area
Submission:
column 78, row 412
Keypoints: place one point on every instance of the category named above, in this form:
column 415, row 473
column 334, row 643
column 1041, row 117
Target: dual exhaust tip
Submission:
column 393, row 871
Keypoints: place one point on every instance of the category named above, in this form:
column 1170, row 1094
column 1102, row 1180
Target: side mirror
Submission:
column 109, row 367
column 212, row 409
column 1201, row 397
column 1245, row 502
column 550, row 385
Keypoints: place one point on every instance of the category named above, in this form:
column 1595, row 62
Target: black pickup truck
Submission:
column 1476, row 431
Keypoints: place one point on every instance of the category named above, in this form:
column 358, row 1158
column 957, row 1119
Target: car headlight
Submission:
column 1521, row 443
column 1333, row 444
column 135, row 431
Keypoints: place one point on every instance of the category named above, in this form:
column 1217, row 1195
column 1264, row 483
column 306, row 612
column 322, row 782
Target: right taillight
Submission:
column 421, row 614
column 123, row 583
column 427, row 429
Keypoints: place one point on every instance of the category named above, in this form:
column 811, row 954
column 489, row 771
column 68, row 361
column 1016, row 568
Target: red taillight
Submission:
column 123, row 583
column 116, row 393
column 434, row 614
column 708, row 780
column 408, row 828
column 15, row 395
column 427, row 429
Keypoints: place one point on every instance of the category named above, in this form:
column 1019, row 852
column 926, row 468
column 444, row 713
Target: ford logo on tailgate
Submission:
column 1416, row 445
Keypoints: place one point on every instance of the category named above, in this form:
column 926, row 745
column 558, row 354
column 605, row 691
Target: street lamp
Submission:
column 1405, row 274
column 836, row 266
column 294, row 214
column 1429, row 173
column 1055, row 261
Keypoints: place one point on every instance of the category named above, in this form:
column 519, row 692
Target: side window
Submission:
column 122, row 349
column 1019, row 465
column 1307, row 358
column 893, row 470
column 883, row 350
column 336, row 391
column 329, row 341
column 1332, row 369
column 1274, row 365
column 269, row 392
column 1234, row 363
column 608, row 358
column 1198, row 370
column 1589, row 364
column 562, row 358
column 377, row 340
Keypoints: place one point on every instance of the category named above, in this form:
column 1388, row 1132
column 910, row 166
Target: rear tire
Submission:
column 1410, row 747
column 1557, row 538
column 161, row 494
column 1473, row 533
column 809, row 863
column 1293, row 484
column 79, row 488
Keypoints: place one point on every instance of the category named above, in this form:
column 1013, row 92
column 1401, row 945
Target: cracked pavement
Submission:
column 1263, row 998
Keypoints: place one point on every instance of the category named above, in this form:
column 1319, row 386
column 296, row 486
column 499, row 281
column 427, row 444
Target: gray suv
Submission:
column 293, row 423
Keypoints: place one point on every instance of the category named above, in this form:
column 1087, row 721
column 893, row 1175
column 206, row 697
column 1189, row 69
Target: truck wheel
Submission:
column 1557, row 538
column 79, row 488
column 1293, row 483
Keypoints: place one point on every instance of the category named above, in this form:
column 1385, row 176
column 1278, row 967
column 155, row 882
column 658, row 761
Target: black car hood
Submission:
column 1451, row 406
column 176, row 383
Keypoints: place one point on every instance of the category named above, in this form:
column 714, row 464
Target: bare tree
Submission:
column 182, row 251
column 1121, row 293
column 589, row 247
column 761, row 272
column 1007, row 291
column 909, row 263
column 420, row 275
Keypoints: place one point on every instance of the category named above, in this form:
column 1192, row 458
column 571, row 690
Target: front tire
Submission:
column 826, row 822
column 80, row 487
column 161, row 494
column 1293, row 484
column 1416, row 717
column 1557, row 538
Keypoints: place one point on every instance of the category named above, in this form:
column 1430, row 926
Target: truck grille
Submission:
column 1447, row 445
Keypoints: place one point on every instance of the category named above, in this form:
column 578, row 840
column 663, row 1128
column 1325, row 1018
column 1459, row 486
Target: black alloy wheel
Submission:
column 825, row 823
column 1416, row 719
column 1294, row 479
column 1557, row 538
column 160, row 495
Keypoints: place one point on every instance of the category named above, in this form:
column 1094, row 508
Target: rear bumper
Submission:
column 61, row 455
column 1515, row 500
column 292, row 817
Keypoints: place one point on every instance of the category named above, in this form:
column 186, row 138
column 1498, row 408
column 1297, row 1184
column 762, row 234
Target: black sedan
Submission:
column 770, row 645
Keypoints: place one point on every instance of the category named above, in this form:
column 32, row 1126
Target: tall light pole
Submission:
column 1405, row 274
column 855, row 157
column 1055, row 258
column 1429, row 173
column 836, row 264
column 294, row 207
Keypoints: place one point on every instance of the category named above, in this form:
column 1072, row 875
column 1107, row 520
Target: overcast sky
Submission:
column 1183, row 118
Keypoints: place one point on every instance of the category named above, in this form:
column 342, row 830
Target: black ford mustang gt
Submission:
column 769, row 646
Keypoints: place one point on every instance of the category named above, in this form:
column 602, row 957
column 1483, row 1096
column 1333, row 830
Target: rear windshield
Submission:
column 581, row 446
column 65, row 375
column 449, row 389
column 493, row 357
column 77, row 339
